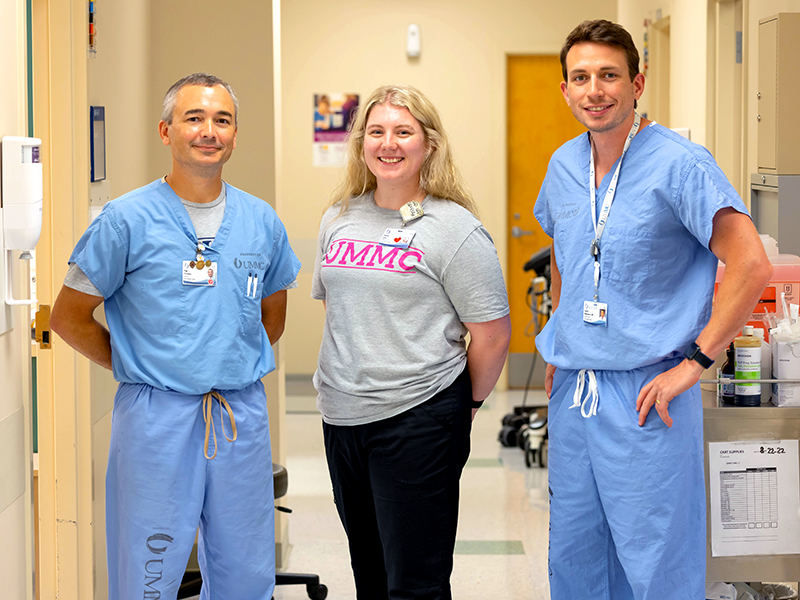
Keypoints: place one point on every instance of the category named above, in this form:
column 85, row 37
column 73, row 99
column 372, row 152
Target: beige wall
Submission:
column 16, row 519
column 631, row 14
column 236, row 45
column 688, row 50
column 330, row 47
column 119, row 79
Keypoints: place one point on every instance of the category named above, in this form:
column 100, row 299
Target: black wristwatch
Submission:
column 692, row 352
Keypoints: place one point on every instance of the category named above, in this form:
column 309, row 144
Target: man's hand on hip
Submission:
column 661, row 390
column 548, row 379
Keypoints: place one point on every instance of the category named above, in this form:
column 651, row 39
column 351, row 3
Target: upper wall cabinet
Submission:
column 778, row 91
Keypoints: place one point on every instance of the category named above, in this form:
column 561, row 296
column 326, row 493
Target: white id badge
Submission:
column 397, row 238
column 595, row 313
column 193, row 276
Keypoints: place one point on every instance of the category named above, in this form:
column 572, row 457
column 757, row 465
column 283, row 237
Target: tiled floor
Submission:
column 501, row 551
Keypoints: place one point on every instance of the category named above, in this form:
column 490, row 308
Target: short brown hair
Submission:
column 602, row 32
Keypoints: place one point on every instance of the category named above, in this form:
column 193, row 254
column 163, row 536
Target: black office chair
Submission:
column 193, row 581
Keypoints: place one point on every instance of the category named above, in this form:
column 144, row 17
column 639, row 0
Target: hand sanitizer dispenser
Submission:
column 21, row 202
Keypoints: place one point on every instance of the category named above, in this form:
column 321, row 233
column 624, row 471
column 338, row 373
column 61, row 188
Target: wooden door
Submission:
column 538, row 122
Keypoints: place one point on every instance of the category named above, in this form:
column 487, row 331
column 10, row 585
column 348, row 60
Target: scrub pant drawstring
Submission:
column 208, row 401
column 590, row 393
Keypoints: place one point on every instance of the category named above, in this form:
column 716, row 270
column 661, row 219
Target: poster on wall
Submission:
column 332, row 116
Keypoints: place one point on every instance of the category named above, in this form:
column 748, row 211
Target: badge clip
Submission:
column 411, row 211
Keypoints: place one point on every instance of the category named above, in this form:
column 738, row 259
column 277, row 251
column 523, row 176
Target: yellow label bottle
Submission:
column 747, row 354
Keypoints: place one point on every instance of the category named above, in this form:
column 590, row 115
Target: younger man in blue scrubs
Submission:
column 639, row 217
column 193, row 273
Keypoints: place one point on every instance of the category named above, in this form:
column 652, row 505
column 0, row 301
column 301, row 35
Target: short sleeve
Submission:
column 284, row 265
column 77, row 280
column 704, row 191
column 473, row 280
column 102, row 253
column 317, row 287
column 541, row 209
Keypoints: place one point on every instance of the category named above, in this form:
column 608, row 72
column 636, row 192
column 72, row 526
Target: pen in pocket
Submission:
column 249, row 282
column 255, row 285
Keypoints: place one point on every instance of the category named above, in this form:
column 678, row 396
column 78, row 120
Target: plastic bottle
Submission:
column 747, row 352
column 728, row 370
column 766, row 365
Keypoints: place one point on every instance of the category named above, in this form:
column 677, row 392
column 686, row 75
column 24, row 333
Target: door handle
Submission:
column 42, row 327
column 518, row 232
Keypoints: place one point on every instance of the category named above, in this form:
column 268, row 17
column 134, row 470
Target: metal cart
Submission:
column 730, row 423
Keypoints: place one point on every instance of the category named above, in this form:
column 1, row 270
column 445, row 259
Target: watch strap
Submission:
column 693, row 352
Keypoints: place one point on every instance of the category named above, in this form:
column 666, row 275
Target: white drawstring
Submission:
column 590, row 393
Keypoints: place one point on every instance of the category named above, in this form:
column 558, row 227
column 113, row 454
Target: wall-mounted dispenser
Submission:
column 21, row 203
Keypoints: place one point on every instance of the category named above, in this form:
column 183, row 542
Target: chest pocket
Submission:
column 627, row 255
column 250, row 296
column 250, row 313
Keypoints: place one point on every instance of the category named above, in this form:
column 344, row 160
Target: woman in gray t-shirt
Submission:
column 405, row 270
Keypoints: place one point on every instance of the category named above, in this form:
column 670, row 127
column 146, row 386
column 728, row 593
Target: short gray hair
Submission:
column 203, row 79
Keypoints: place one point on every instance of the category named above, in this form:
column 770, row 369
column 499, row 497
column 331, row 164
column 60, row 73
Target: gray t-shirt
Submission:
column 394, row 333
column 206, row 218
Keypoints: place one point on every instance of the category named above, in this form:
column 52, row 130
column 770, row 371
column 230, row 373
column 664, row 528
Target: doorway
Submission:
column 538, row 123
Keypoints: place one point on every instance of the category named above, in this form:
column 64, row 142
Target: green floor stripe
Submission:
column 484, row 462
column 498, row 547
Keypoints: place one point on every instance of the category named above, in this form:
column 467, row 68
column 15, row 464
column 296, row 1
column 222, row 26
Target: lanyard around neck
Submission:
column 600, row 223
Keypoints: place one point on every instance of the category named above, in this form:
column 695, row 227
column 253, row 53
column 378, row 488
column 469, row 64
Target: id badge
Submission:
column 206, row 276
column 595, row 313
column 397, row 238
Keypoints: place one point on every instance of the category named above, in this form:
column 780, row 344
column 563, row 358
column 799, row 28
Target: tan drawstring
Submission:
column 208, row 401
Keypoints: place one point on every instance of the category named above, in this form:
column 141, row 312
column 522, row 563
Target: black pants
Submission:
column 396, row 484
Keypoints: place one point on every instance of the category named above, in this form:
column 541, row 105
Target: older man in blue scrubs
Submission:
column 639, row 217
column 193, row 276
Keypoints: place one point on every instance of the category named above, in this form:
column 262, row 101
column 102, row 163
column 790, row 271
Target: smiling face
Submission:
column 599, row 90
column 202, row 134
column 394, row 146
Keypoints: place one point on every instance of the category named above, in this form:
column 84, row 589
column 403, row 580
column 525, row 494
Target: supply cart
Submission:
column 729, row 424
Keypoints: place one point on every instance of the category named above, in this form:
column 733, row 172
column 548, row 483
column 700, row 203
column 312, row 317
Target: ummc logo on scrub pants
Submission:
column 154, row 568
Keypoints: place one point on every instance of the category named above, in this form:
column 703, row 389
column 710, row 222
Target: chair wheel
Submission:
column 317, row 592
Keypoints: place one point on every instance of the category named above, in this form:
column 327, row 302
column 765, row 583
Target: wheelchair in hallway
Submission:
column 526, row 427
column 193, row 581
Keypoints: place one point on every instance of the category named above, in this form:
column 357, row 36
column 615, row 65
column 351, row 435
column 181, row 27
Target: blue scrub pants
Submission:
column 160, row 487
column 627, row 503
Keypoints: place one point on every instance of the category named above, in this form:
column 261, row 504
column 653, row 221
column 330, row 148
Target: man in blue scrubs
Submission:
column 639, row 217
column 193, row 276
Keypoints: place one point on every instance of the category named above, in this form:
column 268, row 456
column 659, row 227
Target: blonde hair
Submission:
column 438, row 176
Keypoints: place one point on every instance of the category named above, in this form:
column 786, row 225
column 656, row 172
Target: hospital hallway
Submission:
column 501, row 547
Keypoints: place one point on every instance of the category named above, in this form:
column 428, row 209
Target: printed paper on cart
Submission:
column 755, row 498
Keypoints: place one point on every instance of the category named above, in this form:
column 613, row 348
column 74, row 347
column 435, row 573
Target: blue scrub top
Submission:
column 186, row 338
column 657, row 272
